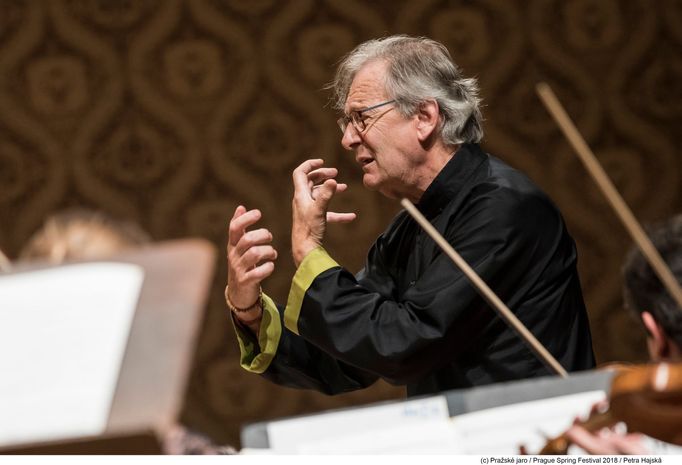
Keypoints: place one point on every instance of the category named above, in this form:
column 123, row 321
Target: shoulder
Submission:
column 505, row 199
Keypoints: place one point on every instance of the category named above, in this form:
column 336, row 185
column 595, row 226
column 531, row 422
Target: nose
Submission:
column 350, row 138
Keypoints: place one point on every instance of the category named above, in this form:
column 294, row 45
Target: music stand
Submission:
column 157, row 359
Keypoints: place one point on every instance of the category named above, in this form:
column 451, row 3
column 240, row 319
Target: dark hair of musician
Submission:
column 643, row 291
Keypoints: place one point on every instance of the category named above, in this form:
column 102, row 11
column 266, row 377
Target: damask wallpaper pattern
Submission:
column 171, row 113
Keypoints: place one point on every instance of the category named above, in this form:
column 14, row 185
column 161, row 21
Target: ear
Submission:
column 657, row 340
column 428, row 117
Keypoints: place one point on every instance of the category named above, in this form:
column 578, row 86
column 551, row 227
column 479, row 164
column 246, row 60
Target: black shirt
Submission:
column 413, row 318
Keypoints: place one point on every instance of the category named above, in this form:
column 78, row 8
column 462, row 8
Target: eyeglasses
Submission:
column 356, row 118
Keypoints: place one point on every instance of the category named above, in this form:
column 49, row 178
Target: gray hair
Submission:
column 419, row 69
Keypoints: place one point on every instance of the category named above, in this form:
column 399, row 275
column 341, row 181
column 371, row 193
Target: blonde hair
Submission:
column 82, row 235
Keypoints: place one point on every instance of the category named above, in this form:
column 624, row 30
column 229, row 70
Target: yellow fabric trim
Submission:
column 268, row 339
column 315, row 263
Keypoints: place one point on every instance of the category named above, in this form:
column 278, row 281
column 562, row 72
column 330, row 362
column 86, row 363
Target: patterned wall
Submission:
column 170, row 113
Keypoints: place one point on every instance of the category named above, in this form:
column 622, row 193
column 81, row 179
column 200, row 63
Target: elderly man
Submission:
column 410, row 316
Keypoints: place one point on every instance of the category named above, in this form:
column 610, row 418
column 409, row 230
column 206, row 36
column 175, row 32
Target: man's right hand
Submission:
column 250, row 258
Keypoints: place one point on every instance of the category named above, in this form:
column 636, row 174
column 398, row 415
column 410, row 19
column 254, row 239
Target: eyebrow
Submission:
column 354, row 107
column 357, row 104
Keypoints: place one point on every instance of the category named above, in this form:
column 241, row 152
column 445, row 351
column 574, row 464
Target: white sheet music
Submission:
column 386, row 429
column 360, row 430
column 63, row 333
column 502, row 430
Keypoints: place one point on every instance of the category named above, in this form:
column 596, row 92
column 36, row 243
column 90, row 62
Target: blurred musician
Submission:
column 661, row 318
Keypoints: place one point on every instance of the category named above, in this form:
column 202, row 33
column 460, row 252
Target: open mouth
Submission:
column 366, row 165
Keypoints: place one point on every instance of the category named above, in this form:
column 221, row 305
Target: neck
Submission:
column 436, row 159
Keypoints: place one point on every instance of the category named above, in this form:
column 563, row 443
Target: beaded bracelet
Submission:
column 237, row 310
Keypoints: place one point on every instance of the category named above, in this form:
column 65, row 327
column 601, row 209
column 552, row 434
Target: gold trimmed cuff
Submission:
column 315, row 263
column 257, row 361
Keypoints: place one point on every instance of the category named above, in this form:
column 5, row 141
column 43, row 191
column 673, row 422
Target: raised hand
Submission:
column 250, row 258
column 314, row 187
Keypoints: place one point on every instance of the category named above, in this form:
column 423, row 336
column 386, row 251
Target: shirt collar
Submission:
column 451, row 179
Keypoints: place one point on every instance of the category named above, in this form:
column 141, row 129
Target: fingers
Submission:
column 300, row 174
column 239, row 211
column 334, row 217
column 591, row 443
column 315, row 177
column 340, row 187
column 251, row 238
column 606, row 441
column 251, row 250
column 312, row 172
column 248, row 249
column 257, row 255
column 322, row 174
column 326, row 192
column 260, row 272
column 324, row 196
column 241, row 220
column 630, row 444
column 252, row 263
column 250, row 258
column 314, row 187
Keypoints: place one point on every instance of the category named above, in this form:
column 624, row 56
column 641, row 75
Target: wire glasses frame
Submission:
column 356, row 118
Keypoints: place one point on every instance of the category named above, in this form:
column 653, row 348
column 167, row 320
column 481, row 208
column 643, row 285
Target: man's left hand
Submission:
column 314, row 187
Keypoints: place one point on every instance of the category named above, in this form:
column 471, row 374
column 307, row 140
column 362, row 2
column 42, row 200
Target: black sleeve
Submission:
column 364, row 323
column 300, row 364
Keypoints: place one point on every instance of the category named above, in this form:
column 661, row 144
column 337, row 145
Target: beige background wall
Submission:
column 170, row 113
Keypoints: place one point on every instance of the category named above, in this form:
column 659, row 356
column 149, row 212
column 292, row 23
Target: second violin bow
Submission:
column 601, row 178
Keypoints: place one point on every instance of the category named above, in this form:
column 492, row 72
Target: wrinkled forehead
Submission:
column 368, row 86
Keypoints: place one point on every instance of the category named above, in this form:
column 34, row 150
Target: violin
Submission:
column 647, row 398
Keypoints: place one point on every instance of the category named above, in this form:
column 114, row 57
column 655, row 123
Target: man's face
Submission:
column 388, row 149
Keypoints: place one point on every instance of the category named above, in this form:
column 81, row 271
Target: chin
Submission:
column 370, row 183
column 374, row 185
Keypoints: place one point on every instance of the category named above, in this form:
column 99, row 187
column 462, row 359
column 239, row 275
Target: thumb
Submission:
column 326, row 192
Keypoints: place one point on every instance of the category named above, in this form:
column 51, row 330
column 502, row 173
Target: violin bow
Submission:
column 551, row 102
column 484, row 290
